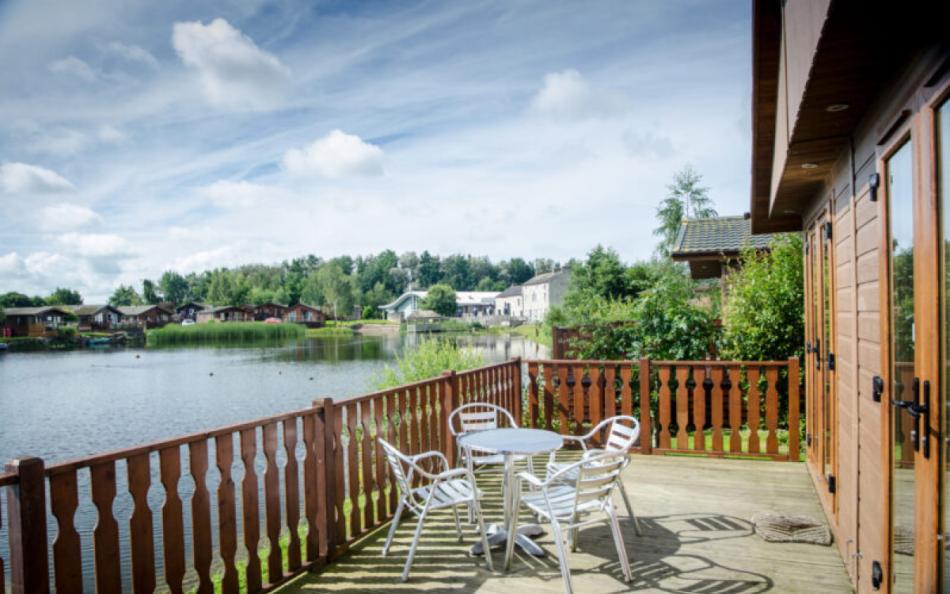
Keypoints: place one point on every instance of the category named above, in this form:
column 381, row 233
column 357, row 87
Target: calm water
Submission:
column 63, row 405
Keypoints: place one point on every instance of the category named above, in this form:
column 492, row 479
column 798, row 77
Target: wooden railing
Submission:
column 262, row 501
column 714, row 408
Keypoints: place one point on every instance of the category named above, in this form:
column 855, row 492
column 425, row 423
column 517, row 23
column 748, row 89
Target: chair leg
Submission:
column 562, row 557
column 415, row 543
column 621, row 548
column 392, row 527
column 626, row 502
column 573, row 536
column 484, row 534
column 458, row 524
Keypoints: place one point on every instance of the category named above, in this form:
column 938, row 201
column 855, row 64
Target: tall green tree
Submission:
column 173, row 286
column 125, row 295
column 429, row 270
column 64, row 296
column 687, row 198
column 338, row 289
column 14, row 299
column 441, row 299
column 150, row 292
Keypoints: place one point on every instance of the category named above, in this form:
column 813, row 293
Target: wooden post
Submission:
column 449, row 395
column 793, row 404
column 516, row 388
column 26, row 512
column 326, row 501
column 646, row 428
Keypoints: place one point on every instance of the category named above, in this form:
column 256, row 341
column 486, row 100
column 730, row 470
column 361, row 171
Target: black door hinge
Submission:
column 832, row 483
column 808, row 439
column 831, row 361
column 877, row 575
column 877, row 388
column 828, row 228
column 816, row 348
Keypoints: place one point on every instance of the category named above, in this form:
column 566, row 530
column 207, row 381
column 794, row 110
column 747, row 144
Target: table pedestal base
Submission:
column 498, row 536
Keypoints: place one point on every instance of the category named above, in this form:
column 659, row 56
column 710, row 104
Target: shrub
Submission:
column 441, row 300
column 764, row 312
column 426, row 361
column 226, row 332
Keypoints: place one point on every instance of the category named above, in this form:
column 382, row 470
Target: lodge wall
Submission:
column 857, row 510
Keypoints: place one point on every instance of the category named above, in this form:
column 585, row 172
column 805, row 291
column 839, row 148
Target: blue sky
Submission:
column 144, row 136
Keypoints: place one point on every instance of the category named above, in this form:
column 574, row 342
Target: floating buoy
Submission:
column 210, row 373
column 311, row 379
column 137, row 355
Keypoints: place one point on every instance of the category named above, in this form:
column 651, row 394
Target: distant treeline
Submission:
column 340, row 284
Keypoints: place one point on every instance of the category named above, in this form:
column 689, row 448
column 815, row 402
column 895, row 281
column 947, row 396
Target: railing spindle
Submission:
column 173, row 528
column 367, row 455
column 717, row 409
column 275, row 567
column 752, row 412
column 67, row 552
column 106, row 534
column 292, row 495
column 771, row 410
column 534, row 401
column 140, row 524
column 596, row 398
column 201, row 515
column 310, row 470
column 699, row 408
column 664, row 410
column 682, row 407
column 250, row 513
column 227, row 512
column 735, row 410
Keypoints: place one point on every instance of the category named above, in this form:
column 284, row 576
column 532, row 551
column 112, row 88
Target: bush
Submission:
column 226, row 332
column 764, row 311
column 426, row 361
column 440, row 299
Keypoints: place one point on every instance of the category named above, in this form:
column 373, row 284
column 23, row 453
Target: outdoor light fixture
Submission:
column 836, row 107
column 874, row 182
column 809, row 165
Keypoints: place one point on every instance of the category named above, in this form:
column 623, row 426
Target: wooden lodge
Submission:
column 94, row 318
column 224, row 313
column 850, row 123
column 264, row 311
column 713, row 246
column 189, row 310
column 33, row 321
column 307, row 315
column 145, row 316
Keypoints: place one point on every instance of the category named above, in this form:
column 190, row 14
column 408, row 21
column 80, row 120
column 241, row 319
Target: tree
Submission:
column 764, row 314
column 14, row 299
column 687, row 198
column 63, row 296
column 441, row 299
column 518, row 271
column 150, row 293
column 125, row 295
column 429, row 270
column 173, row 286
column 338, row 289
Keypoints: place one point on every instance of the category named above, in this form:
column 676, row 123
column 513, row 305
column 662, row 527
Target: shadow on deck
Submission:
column 697, row 537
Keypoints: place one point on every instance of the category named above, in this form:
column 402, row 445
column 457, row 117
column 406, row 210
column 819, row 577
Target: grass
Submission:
column 174, row 334
column 330, row 331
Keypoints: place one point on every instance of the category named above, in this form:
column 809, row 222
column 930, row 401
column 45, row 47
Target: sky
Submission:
column 139, row 137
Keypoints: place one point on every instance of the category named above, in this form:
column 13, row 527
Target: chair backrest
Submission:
column 598, row 475
column 622, row 433
column 478, row 416
column 400, row 465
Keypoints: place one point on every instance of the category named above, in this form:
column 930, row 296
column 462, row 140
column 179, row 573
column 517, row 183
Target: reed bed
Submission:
column 225, row 332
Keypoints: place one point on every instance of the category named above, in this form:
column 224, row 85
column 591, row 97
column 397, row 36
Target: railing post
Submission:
column 326, row 460
column 449, row 396
column 26, row 512
column 516, row 388
column 646, row 428
column 793, row 403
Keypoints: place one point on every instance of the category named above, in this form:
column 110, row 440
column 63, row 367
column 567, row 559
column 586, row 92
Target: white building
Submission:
column 510, row 302
column 469, row 304
column 543, row 292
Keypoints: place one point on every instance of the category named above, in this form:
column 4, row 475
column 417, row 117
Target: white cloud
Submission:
column 239, row 194
column 75, row 67
column 46, row 264
column 10, row 264
column 60, row 142
column 132, row 53
column 111, row 134
column 203, row 260
column 22, row 178
column 567, row 95
column 95, row 245
column 337, row 154
column 234, row 72
column 66, row 217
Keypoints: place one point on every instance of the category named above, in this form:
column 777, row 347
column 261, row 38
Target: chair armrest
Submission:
column 532, row 480
column 431, row 454
column 581, row 439
column 453, row 473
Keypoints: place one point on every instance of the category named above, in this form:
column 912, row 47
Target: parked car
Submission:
column 187, row 322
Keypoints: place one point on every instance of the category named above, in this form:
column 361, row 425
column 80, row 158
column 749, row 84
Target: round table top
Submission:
column 525, row 442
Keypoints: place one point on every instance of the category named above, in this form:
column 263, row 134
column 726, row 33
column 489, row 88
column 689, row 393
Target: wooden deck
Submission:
column 696, row 538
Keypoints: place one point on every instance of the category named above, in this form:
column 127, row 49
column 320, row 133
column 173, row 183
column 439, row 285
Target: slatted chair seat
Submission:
column 451, row 487
column 572, row 505
column 622, row 433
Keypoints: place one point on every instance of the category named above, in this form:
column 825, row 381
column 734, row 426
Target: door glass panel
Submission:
column 901, row 216
column 827, row 424
column 943, row 174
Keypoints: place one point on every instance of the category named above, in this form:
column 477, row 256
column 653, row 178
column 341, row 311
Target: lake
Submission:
column 64, row 405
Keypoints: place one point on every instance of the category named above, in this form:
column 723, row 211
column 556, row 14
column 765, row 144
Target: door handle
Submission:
column 920, row 411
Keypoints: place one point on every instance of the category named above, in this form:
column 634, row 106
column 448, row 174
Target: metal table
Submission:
column 511, row 443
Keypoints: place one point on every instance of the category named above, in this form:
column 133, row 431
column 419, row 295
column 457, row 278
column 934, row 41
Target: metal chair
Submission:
column 570, row 506
column 449, row 488
column 480, row 416
column 621, row 435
